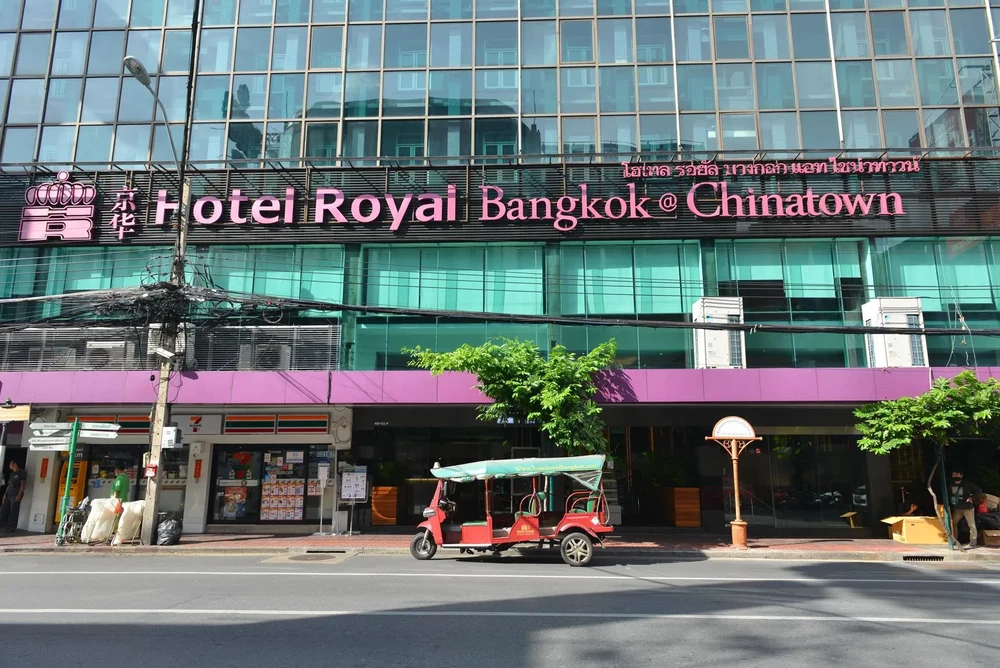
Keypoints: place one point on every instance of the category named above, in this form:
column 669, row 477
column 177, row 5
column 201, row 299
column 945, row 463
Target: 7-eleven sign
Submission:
column 198, row 424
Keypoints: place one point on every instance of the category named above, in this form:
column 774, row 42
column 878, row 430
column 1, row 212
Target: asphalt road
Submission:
column 382, row 611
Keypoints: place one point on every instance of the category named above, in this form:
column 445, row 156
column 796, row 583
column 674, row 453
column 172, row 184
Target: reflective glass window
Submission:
column 895, row 83
column 861, row 129
column 495, row 137
column 289, row 49
column 656, row 88
column 365, row 10
column 496, row 43
column 406, row 45
column 329, row 11
column 100, row 100
column 136, row 103
column 451, row 9
column 694, row 39
column 291, row 11
column 172, row 91
column 250, row 92
column 889, row 33
column 809, row 36
column 211, row 97
column 406, row 10
column 652, row 41
column 147, row 13
column 976, row 81
column 176, row 52
column 63, row 103
column 38, row 14
column 540, row 136
column 179, row 13
column 18, row 145
column 404, row 93
column 403, row 139
column 450, row 93
column 969, row 31
column 695, row 86
column 67, row 56
column 614, row 41
column 775, row 89
column 496, row 9
column 496, row 92
column 576, row 7
column 779, row 130
column 850, row 35
column 93, row 143
column 359, row 139
column 321, row 142
column 739, row 132
column 819, row 130
column 131, row 143
column 618, row 134
column 110, row 14
column 723, row 6
column 577, row 41
column 617, row 88
column 936, row 80
column 943, row 128
column 29, row 94
column 815, row 82
column 252, row 48
column 364, row 47
column 731, row 40
column 699, row 132
column 539, row 90
column 930, row 33
column 361, row 94
column 72, row 13
column 256, row 11
column 449, row 137
column 856, row 85
column 324, row 93
column 244, row 141
column 658, row 132
column 327, row 43
column 285, row 96
column 652, row 7
column 538, row 8
column 981, row 124
column 579, row 135
column 33, row 54
column 578, row 90
column 902, row 129
column 7, row 42
column 770, row 37
column 538, row 43
column 144, row 45
column 216, row 48
column 735, row 85
column 57, row 144
column 451, row 45
column 208, row 141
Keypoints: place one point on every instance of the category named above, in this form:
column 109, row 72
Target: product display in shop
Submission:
column 282, row 499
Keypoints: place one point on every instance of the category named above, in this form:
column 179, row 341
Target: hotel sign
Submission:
column 65, row 211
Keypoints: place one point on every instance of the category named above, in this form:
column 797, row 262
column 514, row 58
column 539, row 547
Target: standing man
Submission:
column 961, row 495
column 120, row 491
column 10, row 508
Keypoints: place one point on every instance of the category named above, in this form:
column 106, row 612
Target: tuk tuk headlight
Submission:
column 429, row 512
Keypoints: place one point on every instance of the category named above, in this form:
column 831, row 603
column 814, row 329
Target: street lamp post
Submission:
column 169, row 330
column 734, row 434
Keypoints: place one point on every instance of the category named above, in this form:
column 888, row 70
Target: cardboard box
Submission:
column 991, row 537
column 916, row 530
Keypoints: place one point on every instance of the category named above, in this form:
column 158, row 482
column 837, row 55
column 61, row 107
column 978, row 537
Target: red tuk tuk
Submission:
column 574, row 527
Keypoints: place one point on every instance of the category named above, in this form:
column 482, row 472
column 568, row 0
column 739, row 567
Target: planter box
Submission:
column 385, row 504
column 684, row 506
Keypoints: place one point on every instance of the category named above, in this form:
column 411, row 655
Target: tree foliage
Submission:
column 556, row 393
column 961, row 408
column 965, row 407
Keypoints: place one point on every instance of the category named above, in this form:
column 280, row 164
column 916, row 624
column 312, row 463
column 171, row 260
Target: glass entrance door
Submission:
column 237, row 491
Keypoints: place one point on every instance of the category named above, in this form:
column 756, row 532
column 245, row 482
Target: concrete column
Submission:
column 196, row 501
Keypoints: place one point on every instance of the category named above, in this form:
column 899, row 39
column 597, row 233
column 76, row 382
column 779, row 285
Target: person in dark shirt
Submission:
column 962, row 497
column 10, row 507
column 914, row 502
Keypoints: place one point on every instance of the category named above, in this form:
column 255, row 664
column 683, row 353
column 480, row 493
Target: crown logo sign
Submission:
column 58, row 210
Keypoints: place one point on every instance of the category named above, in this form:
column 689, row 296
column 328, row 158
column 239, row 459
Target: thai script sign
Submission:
column 770, row 168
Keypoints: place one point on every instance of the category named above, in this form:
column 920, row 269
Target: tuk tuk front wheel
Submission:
column 577, row 549
column 422, row 546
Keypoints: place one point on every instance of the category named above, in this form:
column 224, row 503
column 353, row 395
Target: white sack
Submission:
column 129, row 523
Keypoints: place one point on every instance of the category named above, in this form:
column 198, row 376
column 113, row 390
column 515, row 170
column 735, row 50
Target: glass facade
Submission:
column 290, row 79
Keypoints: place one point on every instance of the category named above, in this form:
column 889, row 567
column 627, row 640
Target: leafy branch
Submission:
column 556, row 393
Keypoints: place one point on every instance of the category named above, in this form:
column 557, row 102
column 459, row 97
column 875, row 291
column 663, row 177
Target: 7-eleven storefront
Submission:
column 233, row 471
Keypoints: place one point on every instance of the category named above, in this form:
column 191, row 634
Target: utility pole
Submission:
column 172, row 321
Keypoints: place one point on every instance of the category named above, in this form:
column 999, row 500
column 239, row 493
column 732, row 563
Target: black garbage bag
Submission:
column 169, row 532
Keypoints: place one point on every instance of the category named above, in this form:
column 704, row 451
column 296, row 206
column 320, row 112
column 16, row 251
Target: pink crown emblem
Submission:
column 58, row 210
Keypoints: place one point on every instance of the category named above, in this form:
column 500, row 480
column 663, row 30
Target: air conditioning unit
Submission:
column 719, row 348
column 887, row 351
column 274, row 357
column 158, row 339
column 109, row 355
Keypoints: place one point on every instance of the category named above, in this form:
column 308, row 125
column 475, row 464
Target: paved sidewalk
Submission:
column 644, row 545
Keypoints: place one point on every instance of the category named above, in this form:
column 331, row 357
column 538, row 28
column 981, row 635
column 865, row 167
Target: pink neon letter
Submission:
column 322, row 206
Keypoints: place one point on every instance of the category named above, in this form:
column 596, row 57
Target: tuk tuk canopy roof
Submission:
column 586, row 470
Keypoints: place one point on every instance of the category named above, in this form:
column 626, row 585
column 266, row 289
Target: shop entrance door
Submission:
column 236, row 485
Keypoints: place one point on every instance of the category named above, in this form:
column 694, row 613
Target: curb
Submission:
column 608, row 553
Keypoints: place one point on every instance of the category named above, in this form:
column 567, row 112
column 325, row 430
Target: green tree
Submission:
column 556, row 393
column 965, row 407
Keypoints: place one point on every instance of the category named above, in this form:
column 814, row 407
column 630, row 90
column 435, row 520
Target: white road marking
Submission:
column 99, row 613
column 506, row 576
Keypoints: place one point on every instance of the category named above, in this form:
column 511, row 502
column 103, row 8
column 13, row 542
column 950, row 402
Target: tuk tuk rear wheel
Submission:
column 422, row 546
column 576, row 549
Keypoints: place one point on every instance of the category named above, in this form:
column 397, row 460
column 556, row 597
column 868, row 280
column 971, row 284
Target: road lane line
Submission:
column 98, row 613
column 509, row 576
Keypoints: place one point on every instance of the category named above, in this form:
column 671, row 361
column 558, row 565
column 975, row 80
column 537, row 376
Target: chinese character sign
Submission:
column 58, row 210
column 123, row 212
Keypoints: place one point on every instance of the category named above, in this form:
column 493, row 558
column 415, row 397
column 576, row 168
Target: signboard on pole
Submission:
column 61, row 447
column 20, row 413
column 354, row 486
column 87, row 433
column 52, row 425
